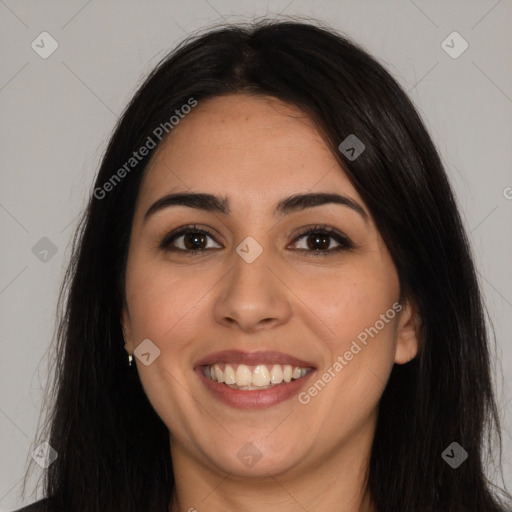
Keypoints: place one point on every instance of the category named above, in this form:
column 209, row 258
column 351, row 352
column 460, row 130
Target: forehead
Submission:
column 250, row 148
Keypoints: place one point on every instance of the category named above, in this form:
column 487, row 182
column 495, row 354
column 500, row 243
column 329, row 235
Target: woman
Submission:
column 272, row 303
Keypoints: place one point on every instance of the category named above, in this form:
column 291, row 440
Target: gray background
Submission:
column 57, row 114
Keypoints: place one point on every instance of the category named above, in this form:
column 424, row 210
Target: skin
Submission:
column 257, row 150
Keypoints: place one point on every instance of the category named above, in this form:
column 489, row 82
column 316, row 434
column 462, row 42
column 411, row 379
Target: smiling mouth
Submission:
column 253, row 377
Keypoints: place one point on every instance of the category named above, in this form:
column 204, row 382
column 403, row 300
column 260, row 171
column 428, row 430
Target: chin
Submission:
column 257, row 458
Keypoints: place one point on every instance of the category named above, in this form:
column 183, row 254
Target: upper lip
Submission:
column 252, row 358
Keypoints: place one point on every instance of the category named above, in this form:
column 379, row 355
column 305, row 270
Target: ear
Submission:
column 408, row 329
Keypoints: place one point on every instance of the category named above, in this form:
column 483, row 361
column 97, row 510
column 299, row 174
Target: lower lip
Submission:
column 254, row 399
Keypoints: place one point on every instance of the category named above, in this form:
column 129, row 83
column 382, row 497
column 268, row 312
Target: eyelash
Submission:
column 344, row 242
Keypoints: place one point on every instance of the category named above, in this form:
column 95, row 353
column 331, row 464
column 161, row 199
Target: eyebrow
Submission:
column 220, row 204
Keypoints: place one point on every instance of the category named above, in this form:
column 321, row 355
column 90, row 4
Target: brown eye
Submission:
column 189, row 239
column 319, row 239
column 318, row 242
column 194, row 241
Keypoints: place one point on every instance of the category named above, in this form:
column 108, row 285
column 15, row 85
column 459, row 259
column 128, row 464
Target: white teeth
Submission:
column 296, row 373
column 276, row 374
column 254, row 377
column 243, row 375
column 229, row 375
column 261, row 376
column 218, row 373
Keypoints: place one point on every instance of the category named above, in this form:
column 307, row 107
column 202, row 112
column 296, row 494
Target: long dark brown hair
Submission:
column 114, row 449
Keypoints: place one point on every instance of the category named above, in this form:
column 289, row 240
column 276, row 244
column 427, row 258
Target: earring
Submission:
column 130, row 357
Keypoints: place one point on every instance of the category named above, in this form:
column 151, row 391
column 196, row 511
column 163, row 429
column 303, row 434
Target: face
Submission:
column 296, row 301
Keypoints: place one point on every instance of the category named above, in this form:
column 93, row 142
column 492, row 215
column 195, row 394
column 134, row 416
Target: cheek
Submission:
column 159, row 304
column 346, row 391
column 160, row 298
column 355, row 303
column 356, row 312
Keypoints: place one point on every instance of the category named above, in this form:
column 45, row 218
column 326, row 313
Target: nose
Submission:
column 252, row 297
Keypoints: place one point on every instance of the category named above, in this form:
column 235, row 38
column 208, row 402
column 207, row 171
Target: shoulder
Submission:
column 34, row 507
